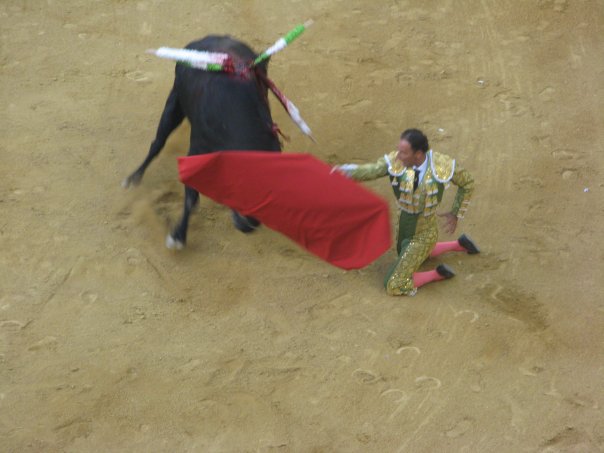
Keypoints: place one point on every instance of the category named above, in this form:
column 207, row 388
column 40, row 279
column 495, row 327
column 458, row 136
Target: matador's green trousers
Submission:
column 417, row 236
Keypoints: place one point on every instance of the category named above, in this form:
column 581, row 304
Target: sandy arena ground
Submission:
column 111, row 342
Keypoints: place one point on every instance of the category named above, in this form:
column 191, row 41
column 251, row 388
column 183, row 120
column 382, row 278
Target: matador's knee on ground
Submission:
column 396, row 287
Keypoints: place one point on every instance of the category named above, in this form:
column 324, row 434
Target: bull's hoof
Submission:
column 174, row 244
column 132, row 181
column 244, row 224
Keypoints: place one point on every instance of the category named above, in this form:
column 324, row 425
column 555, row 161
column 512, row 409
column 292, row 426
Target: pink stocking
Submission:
column 444, row 247
column 421, row 278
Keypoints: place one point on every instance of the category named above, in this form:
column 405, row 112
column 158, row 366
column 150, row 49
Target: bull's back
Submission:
column 226, row 111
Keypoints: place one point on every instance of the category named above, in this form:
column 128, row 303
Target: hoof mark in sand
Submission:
column 139, row 76
column 88, row 296
column 580, row 401
column 398, row 341
column 145, row 29
column 569, row 173
column 45, row 343
column 488, row 263
column 78, row 422
column 558, row 6
column 569, row 439
column 428, row 382
column 402, row 393
column 512, row 103
column 400, row 402
column 547, row 94
column 530, row 371
column 553, row 391
column 409, row 354
column 518, row 305
column 13, row 325
column 411, row 348
column 365, row 376
column 167, row 202
column 189, row 366
column 475, row 315
column 562, row 154
column 528, row 181
column 460, row 428
column 363, row 438
column 360, row 104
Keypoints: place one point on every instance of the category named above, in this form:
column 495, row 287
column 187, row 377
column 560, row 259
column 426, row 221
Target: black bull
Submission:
column 226, row 112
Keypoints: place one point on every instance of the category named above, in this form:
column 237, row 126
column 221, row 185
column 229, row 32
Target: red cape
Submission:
column 328, row 214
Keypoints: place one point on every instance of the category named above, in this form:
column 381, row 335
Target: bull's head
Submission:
column 226, row 63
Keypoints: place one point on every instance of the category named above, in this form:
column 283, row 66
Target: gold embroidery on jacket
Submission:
column 424, row 200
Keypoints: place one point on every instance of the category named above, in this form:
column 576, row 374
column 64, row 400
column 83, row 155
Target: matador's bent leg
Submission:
column 401, row 280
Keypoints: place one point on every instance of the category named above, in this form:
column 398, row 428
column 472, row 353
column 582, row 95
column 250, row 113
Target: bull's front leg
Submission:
column 178, row 237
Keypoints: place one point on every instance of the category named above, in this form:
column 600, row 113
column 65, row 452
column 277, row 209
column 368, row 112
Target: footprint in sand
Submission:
column 357, row 106
column 145, row 29
column 139, row 76
column 547, row 94
column 517, row 304
column 569, row 174
column 134, row 257
column 130, row 375
column 409, row 355
column 89, row 297
column 399, row 397
column 78, row 427
column 47, row 343
column 12, row 325
column 399, row 341
column 569, row 439
column 460, row 428
column 189, row 366
column 428, row 382
column 470, row 315
column 558, row 6
column 531, row 371
column 488, row 263
column 565, row 154
column 167, row 202
column 529, row 182
column 578, row 400
column 365, row 376
column 512, row 103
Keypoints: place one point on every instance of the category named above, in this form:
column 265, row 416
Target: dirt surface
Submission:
column 111, row 342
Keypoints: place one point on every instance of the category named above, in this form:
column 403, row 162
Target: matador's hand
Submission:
column 450, row 223
column 345, row 169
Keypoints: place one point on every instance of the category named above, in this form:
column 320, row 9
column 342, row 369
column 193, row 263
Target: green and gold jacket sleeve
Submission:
column 367, row 172
column 465, row 187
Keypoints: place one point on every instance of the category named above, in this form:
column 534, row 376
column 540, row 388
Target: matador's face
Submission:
column 407, row 156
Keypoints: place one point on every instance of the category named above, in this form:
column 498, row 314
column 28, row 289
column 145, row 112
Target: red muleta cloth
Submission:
column 331, row 216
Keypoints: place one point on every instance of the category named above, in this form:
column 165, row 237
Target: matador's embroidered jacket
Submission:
column 441, row 170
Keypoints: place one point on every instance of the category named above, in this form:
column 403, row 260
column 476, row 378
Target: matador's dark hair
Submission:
column 417, row 140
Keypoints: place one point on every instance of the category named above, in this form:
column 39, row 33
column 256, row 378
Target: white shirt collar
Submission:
column 422, row 168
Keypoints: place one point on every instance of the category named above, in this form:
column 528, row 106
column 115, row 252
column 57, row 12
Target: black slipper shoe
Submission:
column 445, row 271
column 468, row 244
